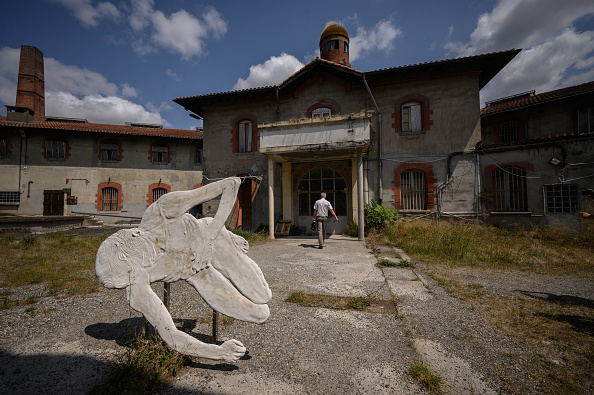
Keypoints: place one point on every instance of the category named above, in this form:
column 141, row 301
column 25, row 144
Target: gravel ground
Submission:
column 67, row 344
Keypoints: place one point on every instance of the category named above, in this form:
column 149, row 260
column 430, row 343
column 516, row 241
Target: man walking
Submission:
column 320, row 215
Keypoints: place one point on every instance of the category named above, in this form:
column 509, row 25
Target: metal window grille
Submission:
column 110, row 199
column 158, row 192
column 413, row 191
column 509, row 188
column 109, row 152
column 321, row 112
column 508, row 132
column 9, row 197
column 55, row 150
column 160, row 154
column 561, row 198
column 245, row 136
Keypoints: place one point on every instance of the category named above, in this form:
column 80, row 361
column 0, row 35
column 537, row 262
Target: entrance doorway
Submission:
column 328, row 180
column 243, row 204
column 53, row 202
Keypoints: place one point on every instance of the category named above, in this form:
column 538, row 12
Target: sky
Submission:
column 125, row 61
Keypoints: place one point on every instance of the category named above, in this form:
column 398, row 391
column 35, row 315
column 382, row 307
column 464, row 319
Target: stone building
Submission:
column 58, row 167
column 538, row 156
column 392, row 135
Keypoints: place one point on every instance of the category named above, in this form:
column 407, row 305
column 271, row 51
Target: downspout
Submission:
column 379, row 141
column 23, row 137
column 277, row 106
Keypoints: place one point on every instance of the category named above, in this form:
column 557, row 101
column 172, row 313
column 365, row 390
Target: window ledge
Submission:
column 10, row 203
column 415, row 211
column 519, row 213
column 411, row 135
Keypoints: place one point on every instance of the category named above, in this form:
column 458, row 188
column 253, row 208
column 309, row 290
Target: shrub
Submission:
column 352, row 229
column 379, row 216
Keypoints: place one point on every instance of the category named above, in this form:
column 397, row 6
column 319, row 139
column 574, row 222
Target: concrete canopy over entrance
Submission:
column 325, row 141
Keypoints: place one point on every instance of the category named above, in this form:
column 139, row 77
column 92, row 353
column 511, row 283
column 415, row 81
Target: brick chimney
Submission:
column 31, row 85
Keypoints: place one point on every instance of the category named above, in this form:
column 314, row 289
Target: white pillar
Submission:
column 360, row 204
column 270, row 198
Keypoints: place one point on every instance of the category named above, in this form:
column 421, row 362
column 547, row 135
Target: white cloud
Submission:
column 79, row 93
column 173, row 74
column 98, row 109
column 87, row 14
column 379, row 38
column 180, row 32
column 128, row 91
column 272, row 72
column 555, row 53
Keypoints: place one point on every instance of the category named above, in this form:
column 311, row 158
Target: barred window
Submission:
column 110, row 199
column 158, row 192
column 413, row 190
column 509, row 187
column 9, row 197
column 561, row 198
column 55, row 149
column 508, row 132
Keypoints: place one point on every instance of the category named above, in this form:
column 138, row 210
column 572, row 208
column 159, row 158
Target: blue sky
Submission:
column 125, row 61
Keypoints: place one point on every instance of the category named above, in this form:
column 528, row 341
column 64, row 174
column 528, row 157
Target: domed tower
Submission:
column 334, row 44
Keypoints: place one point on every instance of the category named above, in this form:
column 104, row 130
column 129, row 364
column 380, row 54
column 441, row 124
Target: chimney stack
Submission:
column 30, row 86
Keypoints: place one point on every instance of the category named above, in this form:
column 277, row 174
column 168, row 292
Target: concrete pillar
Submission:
column 287, row 185
column 354, row 198
column 271, row 198
column 360, row 194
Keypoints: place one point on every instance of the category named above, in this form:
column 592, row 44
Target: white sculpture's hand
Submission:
column 202, row 259
column 233, row 350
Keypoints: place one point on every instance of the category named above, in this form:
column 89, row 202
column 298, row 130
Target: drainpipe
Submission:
column 23, row 137
column 277, row 106
column 379, row 141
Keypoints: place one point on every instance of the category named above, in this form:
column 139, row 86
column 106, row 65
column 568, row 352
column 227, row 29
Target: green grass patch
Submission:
column 65, row 264
column 548, row 250
column 329, row 301
column 425, row 377
column 252, row 237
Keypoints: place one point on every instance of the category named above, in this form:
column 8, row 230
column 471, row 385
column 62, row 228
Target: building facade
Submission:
column 56, row 166
column 390, row 135
column 538, row 156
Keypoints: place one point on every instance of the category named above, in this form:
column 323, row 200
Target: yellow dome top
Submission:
column 334, row 29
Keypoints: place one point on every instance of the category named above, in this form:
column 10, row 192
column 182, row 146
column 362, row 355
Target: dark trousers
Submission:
column 321, row 222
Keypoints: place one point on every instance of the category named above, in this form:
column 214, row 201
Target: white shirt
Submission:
column 322, row 207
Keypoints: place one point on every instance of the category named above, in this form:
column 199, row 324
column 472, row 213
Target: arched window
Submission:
column 318, row 180
column 321, row 112
column 109, row 199
column 509, row 188
column 413, row 190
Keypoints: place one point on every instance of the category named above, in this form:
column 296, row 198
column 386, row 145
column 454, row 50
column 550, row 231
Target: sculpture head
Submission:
column 122, row 255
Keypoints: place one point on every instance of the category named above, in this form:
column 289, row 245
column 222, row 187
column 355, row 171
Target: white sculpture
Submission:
column 171, row 245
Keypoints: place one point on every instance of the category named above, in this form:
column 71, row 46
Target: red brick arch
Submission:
column 429, row 180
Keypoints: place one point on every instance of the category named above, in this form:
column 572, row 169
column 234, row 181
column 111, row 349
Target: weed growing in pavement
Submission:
column 296, row 297
column 400, row 263
column 147, row 365
column 425, row 377
column 358, row 303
